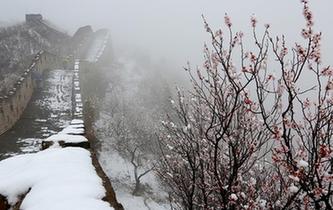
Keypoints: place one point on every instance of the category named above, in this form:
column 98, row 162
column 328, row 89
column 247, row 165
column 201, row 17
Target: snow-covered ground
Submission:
column 120, row 171
column 56, row 178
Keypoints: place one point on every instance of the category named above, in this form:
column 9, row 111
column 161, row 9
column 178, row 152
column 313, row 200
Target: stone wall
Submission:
column 15, row 101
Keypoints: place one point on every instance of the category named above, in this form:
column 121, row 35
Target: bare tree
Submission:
column 139, row 163
column 133, row 136
column 134, row 115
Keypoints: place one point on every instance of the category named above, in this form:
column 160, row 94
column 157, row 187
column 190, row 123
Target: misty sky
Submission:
column 172, row 29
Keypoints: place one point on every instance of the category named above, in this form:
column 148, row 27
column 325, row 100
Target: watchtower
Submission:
column 33, row 18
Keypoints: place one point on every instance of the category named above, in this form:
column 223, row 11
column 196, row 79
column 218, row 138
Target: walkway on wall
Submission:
column 49, row 110
column 97, row 47
column 51, row 107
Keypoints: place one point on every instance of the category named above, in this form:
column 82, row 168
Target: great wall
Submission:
column 15, row 101
column 18, row 98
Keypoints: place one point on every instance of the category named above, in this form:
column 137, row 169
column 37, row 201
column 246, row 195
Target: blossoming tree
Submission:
column 248, row 137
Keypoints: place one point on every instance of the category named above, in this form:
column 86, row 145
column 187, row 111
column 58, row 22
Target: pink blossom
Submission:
column 307, row 14
column 247, row 101
column 284, row 52
column 306, row 33
column 324, row 151
column 300, row 51
column 277, row 133
column 329, row 85
column 328, row 71
column 227, row 20
column 253, row 21
column 253, row 57
column 306, row 103
column 219, row 33
column 270, row 77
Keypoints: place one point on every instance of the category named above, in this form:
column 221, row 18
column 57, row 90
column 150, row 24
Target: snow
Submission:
column 77, row 126
column 253, row 181
column 57, row 97
column 40, row 120
column 78, row 109
column 60, row 91
column 131, row 202
column 295, row 178
column 233, row 197
column 302, row 164
column 72, row 129
column 76, row 121
column 120, row 171
column 78, row 114
column 60, row 178
column 67, row 138
column 262, row 203
column 30, row 145
column 293, row 188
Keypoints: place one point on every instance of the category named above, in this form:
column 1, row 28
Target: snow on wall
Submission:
column 58, row 178
column 97, row 48
column 78, row 106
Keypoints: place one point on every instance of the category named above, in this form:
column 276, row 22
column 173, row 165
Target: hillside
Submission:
column 19, row 43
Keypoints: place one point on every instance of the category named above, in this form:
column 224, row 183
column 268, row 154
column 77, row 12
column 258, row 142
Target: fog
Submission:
column 171, row 30
column 127, row 99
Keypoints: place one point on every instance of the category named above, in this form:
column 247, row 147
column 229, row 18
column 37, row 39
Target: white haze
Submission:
column 172, row 30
